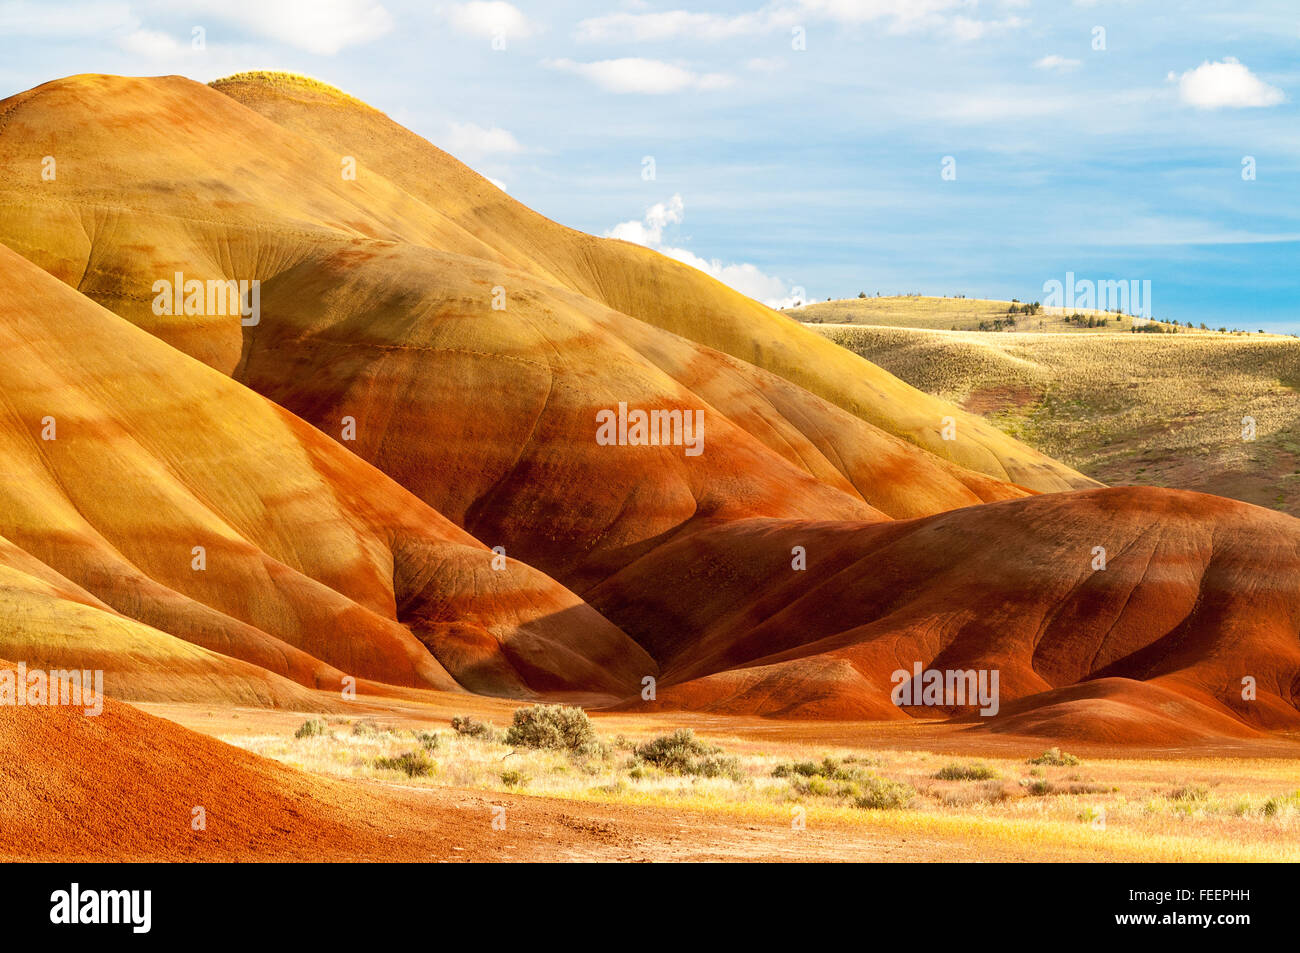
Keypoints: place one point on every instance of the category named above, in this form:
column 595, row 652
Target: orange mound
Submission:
column 476, row 218
column 472, row 344
column 124, row 785
column 1198, row 593
column 316, row 565
column 1118, row 711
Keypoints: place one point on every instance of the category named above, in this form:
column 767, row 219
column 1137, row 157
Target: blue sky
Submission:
column 799, row 146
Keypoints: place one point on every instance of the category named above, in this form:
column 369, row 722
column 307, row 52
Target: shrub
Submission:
column 1278, row 805
column 514, row 779
column 1055, row 757
column 682, row 753
column 967, row 772
column 554, row 727
column 472, row 728
column 365, row 727
column 429, row 740
column 414, row 764
column 882, row 794
column 828, row 768
column 310, row 728
column 1190, row 792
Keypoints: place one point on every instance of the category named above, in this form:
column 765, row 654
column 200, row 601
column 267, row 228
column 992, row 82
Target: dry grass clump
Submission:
column 282, row 80
column 311, row 728
column 414, row 764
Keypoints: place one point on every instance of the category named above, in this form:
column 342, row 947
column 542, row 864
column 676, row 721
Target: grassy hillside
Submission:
column 1123, row 408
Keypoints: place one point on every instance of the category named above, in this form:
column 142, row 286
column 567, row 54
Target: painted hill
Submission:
column 247, row 190
column 422, row 322
column 1197, row 594
column 314, row 565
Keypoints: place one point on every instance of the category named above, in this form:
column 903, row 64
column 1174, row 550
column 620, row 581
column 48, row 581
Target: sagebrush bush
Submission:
column 310, row 728
column 473, row 728
column 682, row 753
column 414, row 764
column 514, row 779
column 1055, row 757
column 553, row 727
column 828, row 769
column 883, row 794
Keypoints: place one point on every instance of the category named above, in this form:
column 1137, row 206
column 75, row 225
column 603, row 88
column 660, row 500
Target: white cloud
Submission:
column 497, row 182
column 155, row 52
column 650, row 230
column 1225, row 85
column 647, row 27
column 636, row 75
column 471, row 139
column 490, row 17
column 317, row 26
column 898, row 16
column 967, row 29
column 24, row 18
column 746, row 278
column 766, row 64
column 1058, row 63
column 153, row 45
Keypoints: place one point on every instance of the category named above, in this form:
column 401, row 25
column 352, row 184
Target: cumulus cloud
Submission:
column 649, row 231
column 317, row 26
column 636, row 75
column 153, row 45
column 671, row 24
column 898, row 16
column 1058, row 63
column 489, row 17
column 1225, row 85
column 25, row 18
column 746, row 278
column 471, row 139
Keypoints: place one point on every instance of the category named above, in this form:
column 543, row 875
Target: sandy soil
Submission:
column 395, row 821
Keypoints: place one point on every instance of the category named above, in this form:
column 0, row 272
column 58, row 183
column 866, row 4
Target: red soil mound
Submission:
column 1198, row 592
column 1118, row 711
column 124, row 785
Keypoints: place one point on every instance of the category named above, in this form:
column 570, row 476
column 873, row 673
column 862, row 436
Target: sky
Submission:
column 813, row 149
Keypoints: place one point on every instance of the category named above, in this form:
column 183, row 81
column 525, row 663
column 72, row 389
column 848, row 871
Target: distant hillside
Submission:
column 1123, row 408
column 968, row 314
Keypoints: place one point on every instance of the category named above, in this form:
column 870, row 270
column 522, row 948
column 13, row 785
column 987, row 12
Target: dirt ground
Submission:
column 389, row 820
